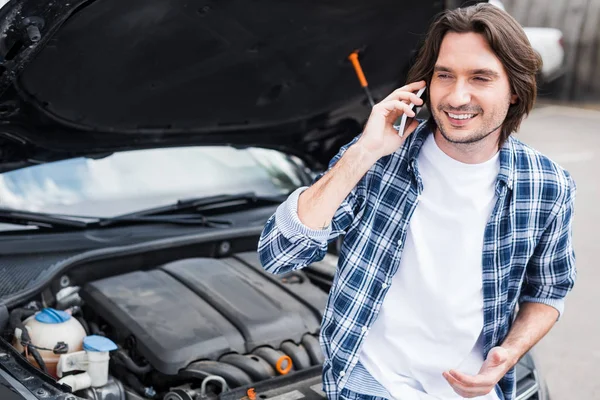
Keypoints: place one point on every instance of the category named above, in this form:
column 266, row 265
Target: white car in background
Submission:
column 549, row 44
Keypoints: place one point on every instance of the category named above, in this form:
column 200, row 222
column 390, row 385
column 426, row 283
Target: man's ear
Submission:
column 513, row 99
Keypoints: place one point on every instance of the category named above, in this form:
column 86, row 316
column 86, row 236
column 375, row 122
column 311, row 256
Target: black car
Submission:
column 143, row 145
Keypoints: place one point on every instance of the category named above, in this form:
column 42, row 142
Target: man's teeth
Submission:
column 461, row 116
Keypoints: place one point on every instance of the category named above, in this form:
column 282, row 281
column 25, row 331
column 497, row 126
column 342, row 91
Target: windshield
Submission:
column 129, row 181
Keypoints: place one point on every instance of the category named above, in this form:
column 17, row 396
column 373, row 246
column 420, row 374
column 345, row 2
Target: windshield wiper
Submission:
column 71, row 222
column 183, row 212
column 41, row 220
column 179, row 219
column 173, row 212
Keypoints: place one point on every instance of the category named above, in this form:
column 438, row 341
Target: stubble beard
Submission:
column 475, row 137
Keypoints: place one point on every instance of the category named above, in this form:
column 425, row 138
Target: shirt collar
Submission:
column 507, row 162
column 507, row 154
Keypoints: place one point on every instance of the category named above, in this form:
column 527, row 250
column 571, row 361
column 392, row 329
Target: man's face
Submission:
column 469, row 91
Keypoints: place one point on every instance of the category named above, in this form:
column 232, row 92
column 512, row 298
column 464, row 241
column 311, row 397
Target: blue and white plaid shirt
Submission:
column 527, row 251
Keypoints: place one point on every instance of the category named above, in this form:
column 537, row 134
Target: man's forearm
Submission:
column 317, row 205
column 533, row 322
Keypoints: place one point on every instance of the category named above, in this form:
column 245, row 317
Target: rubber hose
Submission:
column 95, row 329
column 25, row 338
column 16, row 318
column 38, row 358
column 16, row 321
column 135, row 384
column 131, row 365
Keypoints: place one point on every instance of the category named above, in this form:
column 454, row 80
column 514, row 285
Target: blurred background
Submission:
column 578, row 20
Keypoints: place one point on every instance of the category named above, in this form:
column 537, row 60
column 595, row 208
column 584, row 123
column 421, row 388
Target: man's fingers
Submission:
column 470, row 381
column 414, row 86
column 466, row 390
column 393, row 107
column 404, row 96
column 456, row 385
column 406, row 92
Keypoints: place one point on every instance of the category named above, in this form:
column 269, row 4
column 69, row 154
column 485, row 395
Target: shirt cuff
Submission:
column 559, row 304
column 289, row 224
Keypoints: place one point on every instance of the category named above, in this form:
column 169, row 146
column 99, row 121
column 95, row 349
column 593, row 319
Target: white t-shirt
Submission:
column 431, row 319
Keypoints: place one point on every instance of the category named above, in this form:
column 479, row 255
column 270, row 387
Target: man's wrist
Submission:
column 514, row 355
column 362, row 156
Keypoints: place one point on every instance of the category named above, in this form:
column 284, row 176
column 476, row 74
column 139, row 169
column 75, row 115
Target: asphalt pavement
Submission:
column 569, row 356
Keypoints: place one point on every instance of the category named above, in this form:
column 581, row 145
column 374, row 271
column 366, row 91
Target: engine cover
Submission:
column 202, row 308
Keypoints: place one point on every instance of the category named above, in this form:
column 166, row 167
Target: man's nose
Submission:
column 459, row 95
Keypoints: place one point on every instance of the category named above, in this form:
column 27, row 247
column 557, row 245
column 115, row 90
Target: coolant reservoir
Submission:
column 46, row 329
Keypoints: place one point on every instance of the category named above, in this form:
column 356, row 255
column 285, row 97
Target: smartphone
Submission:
column 400, row 124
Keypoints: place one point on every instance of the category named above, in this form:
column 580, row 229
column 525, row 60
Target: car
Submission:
column 143, row 146
column 549, row 44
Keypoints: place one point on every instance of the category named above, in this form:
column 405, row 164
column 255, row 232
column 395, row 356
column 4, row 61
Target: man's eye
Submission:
column 443, row 76
column 481, row 79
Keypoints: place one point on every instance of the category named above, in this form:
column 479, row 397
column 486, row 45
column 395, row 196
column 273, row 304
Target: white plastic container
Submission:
column 93, row 361
column 46, row 329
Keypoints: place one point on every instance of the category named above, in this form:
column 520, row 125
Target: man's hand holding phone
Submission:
column 380, row 137
column 318, row 204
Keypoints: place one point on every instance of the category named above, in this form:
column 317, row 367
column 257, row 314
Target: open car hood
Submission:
column 94, row 77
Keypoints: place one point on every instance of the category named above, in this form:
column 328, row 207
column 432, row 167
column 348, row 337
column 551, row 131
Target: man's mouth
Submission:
column 460, row 119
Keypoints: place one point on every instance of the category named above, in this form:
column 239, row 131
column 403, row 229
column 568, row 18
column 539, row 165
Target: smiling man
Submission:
column 457, row 255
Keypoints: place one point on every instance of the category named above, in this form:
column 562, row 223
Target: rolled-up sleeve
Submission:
column 551, row 270
column 287, row 244
column 290, row 226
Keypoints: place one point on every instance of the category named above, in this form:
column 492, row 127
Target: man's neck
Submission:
column 469, row 153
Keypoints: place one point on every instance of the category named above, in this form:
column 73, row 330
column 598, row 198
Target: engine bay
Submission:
column 190, row 329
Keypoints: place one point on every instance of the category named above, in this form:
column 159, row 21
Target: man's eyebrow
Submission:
column 441, row 68
column 484, row 71
column 477, row 71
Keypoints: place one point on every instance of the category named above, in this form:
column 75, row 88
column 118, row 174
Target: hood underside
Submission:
column 108, row 75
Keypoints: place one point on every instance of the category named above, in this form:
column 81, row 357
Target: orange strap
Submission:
column 358, row 69
column 251, row 393
column 288, row 367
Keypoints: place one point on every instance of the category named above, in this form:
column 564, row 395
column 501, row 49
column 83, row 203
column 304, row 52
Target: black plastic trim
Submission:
column 111, row 252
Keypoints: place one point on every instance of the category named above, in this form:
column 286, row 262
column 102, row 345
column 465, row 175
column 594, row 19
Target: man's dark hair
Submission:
column 507, row 40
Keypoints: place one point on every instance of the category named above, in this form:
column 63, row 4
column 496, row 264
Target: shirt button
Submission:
column 364, row 329
column 384, row 285
column 342, row 373
column 399, row 242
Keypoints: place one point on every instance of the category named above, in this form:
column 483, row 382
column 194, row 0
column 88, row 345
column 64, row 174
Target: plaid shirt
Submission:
column 527, row 251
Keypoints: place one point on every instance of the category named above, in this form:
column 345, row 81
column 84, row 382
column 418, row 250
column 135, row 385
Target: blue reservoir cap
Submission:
column 98, row 343
column 52, row 316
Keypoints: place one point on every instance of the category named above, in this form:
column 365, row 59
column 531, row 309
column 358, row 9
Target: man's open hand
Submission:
column 493, row 369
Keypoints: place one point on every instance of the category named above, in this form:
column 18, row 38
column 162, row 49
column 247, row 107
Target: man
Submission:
column 447, row 229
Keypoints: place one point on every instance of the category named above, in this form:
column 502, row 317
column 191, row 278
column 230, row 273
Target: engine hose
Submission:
column 37, row 357
column 131, row 365
column 25, row 338
column 16, row 319
column 138, row 386
column 95, row 329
